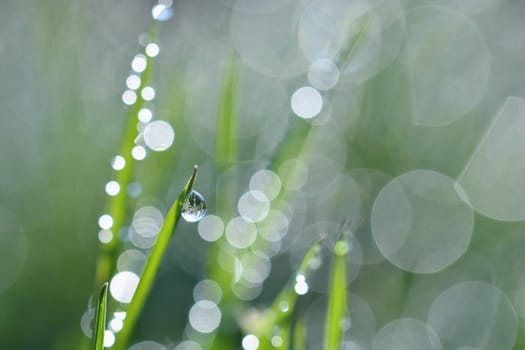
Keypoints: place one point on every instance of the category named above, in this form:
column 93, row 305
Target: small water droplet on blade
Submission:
column 194, row 207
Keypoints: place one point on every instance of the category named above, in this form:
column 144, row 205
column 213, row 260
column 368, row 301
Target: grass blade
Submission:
column 227, row 115
column 152, row 265
column 279, row 314
column 299, row 335
column 226, row 150
column 337, row 308
column 100, row 319
column 117, row 205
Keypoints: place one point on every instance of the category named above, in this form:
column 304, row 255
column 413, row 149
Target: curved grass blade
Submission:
column 299, row 334
column 100, row 319
column 337, row 308
column 152, row 265
column 279, row 314
column 284, row 304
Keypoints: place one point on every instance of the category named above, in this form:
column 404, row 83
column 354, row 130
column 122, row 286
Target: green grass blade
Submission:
column 280, row 312
column 100, row 319
column 117, row 205
column 227, row 116
column 288, row 296
column 337, row 308
column 152, row 265
column 299, row 335
column 226, row 150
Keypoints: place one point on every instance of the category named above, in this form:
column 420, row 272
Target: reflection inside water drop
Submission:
column 194, row 207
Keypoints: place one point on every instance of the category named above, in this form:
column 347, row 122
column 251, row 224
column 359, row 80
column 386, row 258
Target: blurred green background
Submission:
column 423, row 91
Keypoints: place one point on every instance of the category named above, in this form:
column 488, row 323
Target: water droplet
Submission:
column 194, row 207
column 283, row 306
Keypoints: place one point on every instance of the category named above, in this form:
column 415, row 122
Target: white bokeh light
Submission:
column 116, row 325
column 145, row 115
column 406, row 334
column 306, row 102
column 470, row 308
column 253, row 206
column 133, row 82
column 207, row 290
column 420, row 223
column 274, row 227
column 301, row 287
column 267, row 182
column 129, row 97
column 105, row 221
column 138, row 64
column 112, row 188
column 123, row 286
column 205, row 316
column 159, row 135
column 152, row 50
column 132, row 260
column 118, row 162
column 323, row 74
column 147, row 221
column 148, row 93
column 250, row 342
column 105, row 236
column 240, row 233
column 211, row 228
column 109, row 338
column 138, row 152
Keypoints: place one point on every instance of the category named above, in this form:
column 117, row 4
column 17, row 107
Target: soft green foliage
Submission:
column 100, row 318
column 424, row 88
column 337, row 308
column 152, row 265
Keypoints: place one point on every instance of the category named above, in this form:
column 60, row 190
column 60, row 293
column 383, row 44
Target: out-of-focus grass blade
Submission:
column 152, row 265
column 227, row 115
column 117, row 205
column 100, row 319
column 226, row 148
column 293, row 144
column 337, row 308
column 279, row 314
column 284, row 304
column 299, row 334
